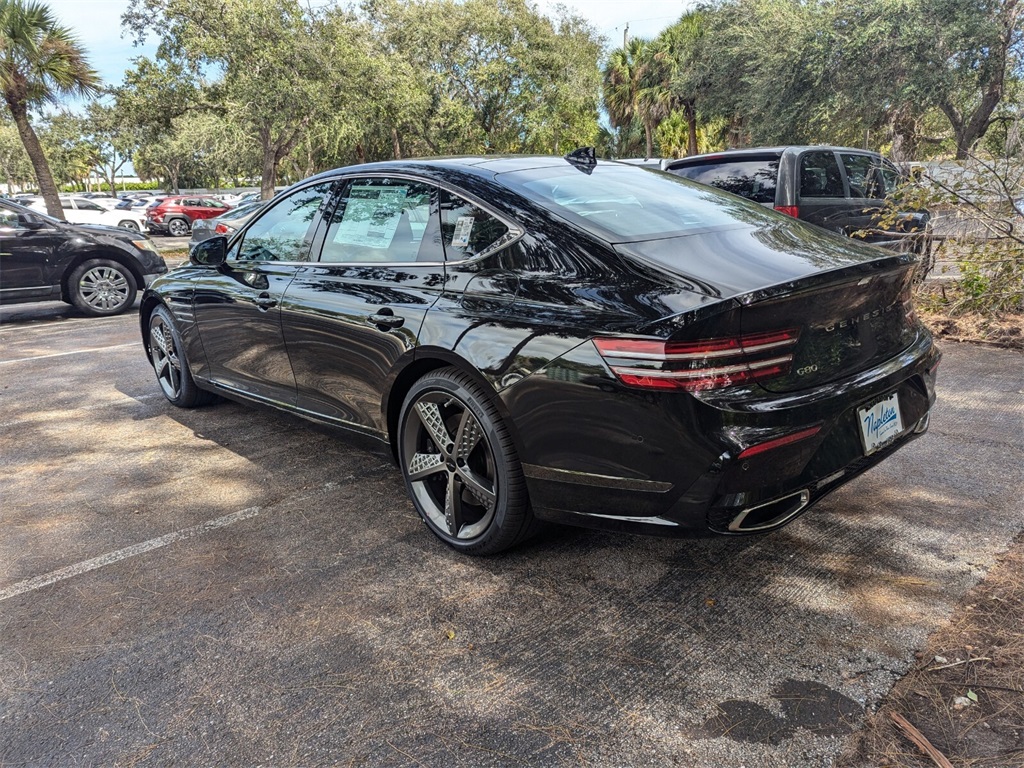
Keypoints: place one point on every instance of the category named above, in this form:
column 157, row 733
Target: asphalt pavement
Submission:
column 233, row 586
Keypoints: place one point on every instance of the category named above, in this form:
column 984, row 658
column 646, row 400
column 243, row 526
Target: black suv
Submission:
column 840, row 189
column 97, row 269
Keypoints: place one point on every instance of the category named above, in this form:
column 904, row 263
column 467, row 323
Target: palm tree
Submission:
column 633, row 90
column 40, row 61
column 684, row 68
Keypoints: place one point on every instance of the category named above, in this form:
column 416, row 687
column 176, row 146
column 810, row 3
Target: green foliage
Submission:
column 40, row 61
column 976, row 227
column 15, row 167
column 489, row 77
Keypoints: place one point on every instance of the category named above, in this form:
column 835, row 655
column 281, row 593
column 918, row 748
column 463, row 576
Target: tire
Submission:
column 101, row 287
column 170, row 365
column 470, row 491
column 129, row 224
column 178, row 227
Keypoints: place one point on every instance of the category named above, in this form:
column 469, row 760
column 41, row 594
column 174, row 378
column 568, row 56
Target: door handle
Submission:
column 263, row 301
column 386, row 318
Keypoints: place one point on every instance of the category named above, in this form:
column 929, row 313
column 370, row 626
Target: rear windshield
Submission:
column 628, row 204
column 753, row 179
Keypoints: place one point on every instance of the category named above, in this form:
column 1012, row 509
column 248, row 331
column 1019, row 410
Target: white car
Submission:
column 79, row 210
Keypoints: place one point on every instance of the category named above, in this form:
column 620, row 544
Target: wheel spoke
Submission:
column 453, row 506
column 478, row 487
column 467, row 436
column 423, row 465
column 430, row 416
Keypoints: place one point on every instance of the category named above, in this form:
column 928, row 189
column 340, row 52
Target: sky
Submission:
column 97, row 24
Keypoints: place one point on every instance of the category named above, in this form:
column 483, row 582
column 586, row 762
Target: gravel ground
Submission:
column 229, row 585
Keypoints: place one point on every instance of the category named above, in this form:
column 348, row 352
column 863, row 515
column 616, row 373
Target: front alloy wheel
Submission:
column 169, row 363
column 460, row 465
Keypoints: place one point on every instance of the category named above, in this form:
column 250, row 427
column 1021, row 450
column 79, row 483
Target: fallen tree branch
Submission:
column 919, row 739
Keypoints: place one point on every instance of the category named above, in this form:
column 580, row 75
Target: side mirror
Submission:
column 210, row 253
column 31, row 222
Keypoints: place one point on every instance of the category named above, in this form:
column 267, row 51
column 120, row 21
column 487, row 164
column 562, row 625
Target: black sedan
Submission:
column 540, row 338
column 97, row 269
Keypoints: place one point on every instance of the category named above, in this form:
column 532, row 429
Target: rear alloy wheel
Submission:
column 170, row 364
column 460, row 465
column 129, row 224
column 178, row 227
column 101, row 287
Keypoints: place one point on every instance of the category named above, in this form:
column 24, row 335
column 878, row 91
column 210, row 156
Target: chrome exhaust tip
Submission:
column 770, row 514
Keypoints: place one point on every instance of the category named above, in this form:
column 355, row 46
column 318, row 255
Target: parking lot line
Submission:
column 73, row 352
column 38, row 582
column 55, row 323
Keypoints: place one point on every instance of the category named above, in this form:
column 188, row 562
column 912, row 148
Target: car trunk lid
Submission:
column 843, row 305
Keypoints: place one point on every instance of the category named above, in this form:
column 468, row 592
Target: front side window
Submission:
column 467, row 229
column 285, row 231
column 753, row 179
column 87, row 205
column 9, row 220
column 820, row 176
column 383, row 220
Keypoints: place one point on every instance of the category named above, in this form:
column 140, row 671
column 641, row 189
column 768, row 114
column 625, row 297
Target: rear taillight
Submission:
column 220, row 229
column 699, row 365
column 789, row 210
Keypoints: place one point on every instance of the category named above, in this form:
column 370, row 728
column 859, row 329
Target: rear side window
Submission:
column 754, row 179
column 467, row 229
column 864, row 173
column 383, row 220
column 820, row 176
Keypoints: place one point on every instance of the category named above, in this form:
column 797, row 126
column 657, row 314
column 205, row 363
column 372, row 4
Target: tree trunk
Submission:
column 690, row 112
column 395, row 144
column 649, row 136
column 360, row 152
column 47, row 186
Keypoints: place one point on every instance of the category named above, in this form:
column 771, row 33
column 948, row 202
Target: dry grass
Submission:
column 978, row 655
column 1006, row 330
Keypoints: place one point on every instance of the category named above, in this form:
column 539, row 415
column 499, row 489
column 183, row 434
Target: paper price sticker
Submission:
column 463, row 228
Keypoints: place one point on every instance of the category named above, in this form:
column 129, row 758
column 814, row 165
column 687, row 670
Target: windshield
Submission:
column 26, row 210
column 629, row 204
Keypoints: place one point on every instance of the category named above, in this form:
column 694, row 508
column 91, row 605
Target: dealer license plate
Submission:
column 880, row 423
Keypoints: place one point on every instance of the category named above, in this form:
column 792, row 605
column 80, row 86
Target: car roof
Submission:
column 760, row 151
column 484, row 166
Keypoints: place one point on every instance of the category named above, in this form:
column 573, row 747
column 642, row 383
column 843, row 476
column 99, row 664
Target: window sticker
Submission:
column 371, row 216
column 463, row 228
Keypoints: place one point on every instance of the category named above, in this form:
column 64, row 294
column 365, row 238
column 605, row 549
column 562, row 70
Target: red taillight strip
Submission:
column 697, row 365
column 702, row 373
column 778, row 442
column 643, row 349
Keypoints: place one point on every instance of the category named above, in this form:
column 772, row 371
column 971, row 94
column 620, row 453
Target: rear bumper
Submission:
column 674, row 467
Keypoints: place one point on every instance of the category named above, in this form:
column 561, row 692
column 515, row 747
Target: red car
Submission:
column 174, row 216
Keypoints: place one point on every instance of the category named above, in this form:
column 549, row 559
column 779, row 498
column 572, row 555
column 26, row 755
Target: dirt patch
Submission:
column 1005, row 330
column 966, row 694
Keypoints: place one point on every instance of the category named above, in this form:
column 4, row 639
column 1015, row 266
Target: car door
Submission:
column 349, row 315
column 29, row 267
column 85, row 212
column 822, row 196
column 866, row 194
column 237, row 306
column 207, row 209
